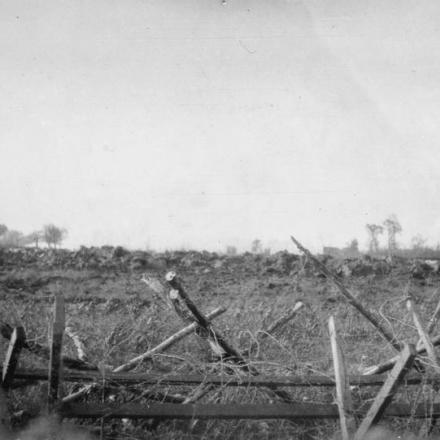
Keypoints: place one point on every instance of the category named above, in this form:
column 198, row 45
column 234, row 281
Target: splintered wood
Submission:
column 343, row 394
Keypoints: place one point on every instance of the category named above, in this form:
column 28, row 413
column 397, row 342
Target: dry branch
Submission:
column 369, row 315
column 167, row 343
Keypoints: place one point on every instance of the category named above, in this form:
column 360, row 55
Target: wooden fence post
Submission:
column 15, row 345
column 56, row 345
column 386, row 393
column 343, row 394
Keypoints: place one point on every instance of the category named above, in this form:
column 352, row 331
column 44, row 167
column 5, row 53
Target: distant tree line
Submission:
column 50, row 234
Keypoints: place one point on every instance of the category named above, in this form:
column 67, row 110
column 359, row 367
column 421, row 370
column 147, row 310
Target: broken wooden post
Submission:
column 217, row 342
column 44, row 352
column 56, row 345
column 424, row 338
column 343, row 394
column 369, row 315
column 386, row 393
column 167, row 343
column 15, row 345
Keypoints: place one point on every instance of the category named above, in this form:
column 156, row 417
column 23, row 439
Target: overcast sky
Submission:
column 199, row 123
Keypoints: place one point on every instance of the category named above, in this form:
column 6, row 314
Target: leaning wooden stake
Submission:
column 56, row 344
column 343, row 394
column 167, row 343
column 12, row 355
column 431, row 324
column 386, row 393
column 369, row 315
column 426, row 340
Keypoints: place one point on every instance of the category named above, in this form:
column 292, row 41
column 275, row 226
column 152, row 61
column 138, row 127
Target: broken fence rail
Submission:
column 233, row 411
column 126, row 378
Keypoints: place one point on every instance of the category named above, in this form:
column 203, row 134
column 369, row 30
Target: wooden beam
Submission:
column 56, row 345
column 352, row 300
column 386, row 393
column 426, row 340
column 11, row 361
column 167, row 343
column 148, row 379
column 343, row 394
column 292, row 411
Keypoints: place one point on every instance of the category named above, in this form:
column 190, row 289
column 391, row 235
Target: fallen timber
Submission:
column 229, row 380
column 292, row 411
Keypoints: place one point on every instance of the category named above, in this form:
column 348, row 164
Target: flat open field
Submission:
column 117, row 317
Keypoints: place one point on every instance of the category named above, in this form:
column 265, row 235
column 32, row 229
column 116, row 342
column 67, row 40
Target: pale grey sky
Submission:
column 201, row 124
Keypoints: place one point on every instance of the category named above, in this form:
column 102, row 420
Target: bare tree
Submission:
column 35, row 237
column 374, row 231
column 393, row 228
column 53, row 235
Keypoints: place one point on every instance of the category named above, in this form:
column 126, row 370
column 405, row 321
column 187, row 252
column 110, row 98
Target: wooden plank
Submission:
column 11, row 361
column 352, row 300
column 219, row 380
column 292, row 411
column 167, row 343
column 386, row 393
column 343, row 394
column 426, row 341
column 56, row 345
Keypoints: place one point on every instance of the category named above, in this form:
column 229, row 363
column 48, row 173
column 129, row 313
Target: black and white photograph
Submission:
column 219, row 219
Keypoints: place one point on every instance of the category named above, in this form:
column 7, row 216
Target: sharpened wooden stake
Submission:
column 370, row 316
column 15, row 345
column 56, row 346
column 343, row 394
column 422, row 333
column 386, row 393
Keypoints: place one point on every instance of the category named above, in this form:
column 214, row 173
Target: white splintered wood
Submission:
column 343, row 395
